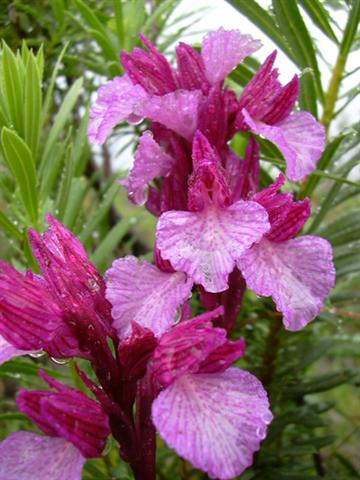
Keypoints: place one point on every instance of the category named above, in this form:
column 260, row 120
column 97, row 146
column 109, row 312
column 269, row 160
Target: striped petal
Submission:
column 216, row 421
column 223, row 50
column 177, row 111
column 28, row 456
column 150, row 162
column 140, row 292
column 207, row 244
column 297, row 273
column 300, row 138
column 117, row 100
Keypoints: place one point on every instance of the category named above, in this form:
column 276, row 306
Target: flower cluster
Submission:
column 215, row 231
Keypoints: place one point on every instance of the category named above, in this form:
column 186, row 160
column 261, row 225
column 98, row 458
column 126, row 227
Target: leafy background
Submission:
column 54, row 55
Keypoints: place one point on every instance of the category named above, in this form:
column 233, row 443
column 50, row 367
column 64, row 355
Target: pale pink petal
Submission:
column 223, row 50
column 300, row 138
column 140, row 292
column 28, row 456
column 216, row 421
column 117, row 100
column 297, row 273
column 8, row 351
column 150, row 162
column 177, row 111
column 206, row 244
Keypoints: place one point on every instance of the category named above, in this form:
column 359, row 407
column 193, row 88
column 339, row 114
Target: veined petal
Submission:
column 300, row 138
column 184, row 348
column 140, row 292
column 8, row 351
column 177, row 111
column 286, row 216
column 206, row 244
column 151, row 161
column 67, row 413
column 264, row 98
column 297, row 273
column 24, row 305
column 191, row 69
column 207, row 184
column 28, row 456
column 117, row 100
column 216, row 421
column 149, row 68
column 222, row 50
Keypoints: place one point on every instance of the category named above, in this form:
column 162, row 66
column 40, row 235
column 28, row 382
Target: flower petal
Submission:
column 140, row 292
column 264, row 98
column 117, row 100
column 24, row 304
column 207, row 184
column 187, row 346
column 151, row 161
column 28, row 456
column 149, row 68
column 191, row 69
column 176, row 110
column 297, row 273
column 68, row 413
column 286, row 215
column 300, row 138
column 223, row 50
column 206, row 244
column 216, row 421
column 8, row 351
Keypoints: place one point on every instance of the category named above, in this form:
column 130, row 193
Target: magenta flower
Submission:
column 297, row 272
column 69, row 294
column 152, row 88
column 265, row 108
column 189, row 367
column 206, row 241
column 76, row 428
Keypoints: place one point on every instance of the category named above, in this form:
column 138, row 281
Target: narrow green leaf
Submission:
column 13, row 88
column 49, row 93
column 293, row 26
column 40, row 61
column 343, row 230
column 61, row 118
column 28, row 253
column 307, row 95
column 9, row 226
column 78, row 190
column 111, row 240
column 347, row 264
column 119, row 19
column 351, row 28
column 162, row 8
column 65, row 184
column 32, row 106
column 324, row 162
column 100, row 213
column 90, row 17
column 21, row 163
column 320, row 383
column 262, row 19
column 320, row 16
column 109, row 50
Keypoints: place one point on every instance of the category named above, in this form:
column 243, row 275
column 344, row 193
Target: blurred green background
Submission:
column 54, row 56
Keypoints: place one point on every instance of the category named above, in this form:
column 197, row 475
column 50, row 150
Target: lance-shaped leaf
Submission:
column 21, row 163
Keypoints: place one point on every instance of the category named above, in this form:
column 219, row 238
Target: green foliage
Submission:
column 54, row 55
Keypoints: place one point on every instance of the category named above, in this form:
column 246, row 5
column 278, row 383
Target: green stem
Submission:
column 333, row 90
column 332, row 93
